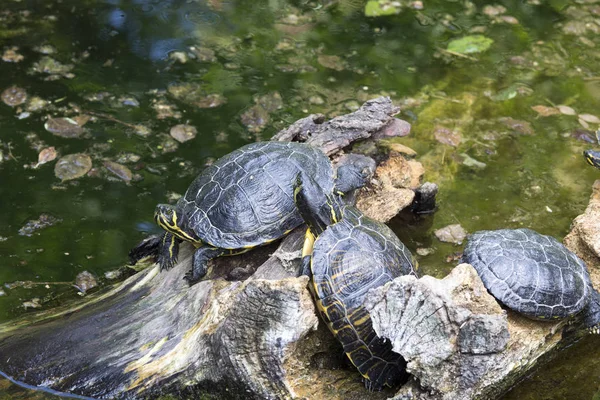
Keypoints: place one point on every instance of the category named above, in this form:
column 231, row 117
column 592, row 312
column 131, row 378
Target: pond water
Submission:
column 486, row 124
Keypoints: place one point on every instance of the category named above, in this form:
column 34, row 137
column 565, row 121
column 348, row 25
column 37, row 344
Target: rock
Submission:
column 395, row 128
column 393, row 191
column 424, row 202
column 447, row 330
column 85, row 281
column 451, row 234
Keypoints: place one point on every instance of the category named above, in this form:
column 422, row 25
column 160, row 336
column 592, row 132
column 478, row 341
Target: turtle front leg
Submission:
column 149, row 247
column 169, row 250
column 200, row 261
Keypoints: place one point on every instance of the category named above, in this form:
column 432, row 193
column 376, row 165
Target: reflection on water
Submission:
column 154, row 28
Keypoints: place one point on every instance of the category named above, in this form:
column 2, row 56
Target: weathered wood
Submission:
column 245, row 332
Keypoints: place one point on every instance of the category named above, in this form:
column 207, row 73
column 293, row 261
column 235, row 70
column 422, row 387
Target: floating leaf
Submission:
column 592, row 119
column 64, row 127
column 119, row 170
column 583, row 123
column 375, row 8
column 566, row 110
column 518, row 126
column 46, row 155
column 72, row 166
column 13, row 96
column 183, row 133
column 545, row 111
column 446, row 136
column 470, row 44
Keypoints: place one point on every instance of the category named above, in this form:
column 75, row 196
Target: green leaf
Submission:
column 470, row 44
column 375, row 9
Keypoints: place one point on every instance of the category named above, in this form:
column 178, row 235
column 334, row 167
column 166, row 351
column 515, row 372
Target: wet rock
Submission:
column 395, row 128
column 34, row 225
column 85, row 281
column 121, row 171
column 64, row 127
column 183, row 132
column 2, row 292
column 396, row 179
column 14, row 96
column 72, row 166
column 448, row 330
column 424, row 201
column 451, row 234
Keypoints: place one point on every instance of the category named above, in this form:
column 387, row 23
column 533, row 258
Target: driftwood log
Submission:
column 248, row 331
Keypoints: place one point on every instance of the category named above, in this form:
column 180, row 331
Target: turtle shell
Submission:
column 246, row 198
column 350, row 258
column 530, row 273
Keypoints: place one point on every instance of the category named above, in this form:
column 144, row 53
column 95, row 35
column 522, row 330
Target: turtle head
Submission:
column 166, row 217
column 353, row 172
column 592, row 157
column 592, row 313
column 318, row 209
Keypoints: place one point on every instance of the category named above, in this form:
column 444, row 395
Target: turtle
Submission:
column 534, row 274
column 593, row 156
column 244, row 200
column 346, row 254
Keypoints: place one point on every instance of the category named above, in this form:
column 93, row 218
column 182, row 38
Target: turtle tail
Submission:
column 592, row 313
column 148, row 247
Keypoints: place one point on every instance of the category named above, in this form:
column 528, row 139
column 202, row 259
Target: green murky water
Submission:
column 254, row 68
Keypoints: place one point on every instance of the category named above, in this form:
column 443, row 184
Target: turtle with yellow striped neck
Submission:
column 244, row 200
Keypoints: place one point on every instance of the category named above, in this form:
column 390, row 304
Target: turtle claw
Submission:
column 189, row 278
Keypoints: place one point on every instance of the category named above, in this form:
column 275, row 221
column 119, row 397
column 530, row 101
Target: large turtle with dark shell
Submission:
column 593, row 156
column 244, row 200
column 346, row 254
column 534, row 275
